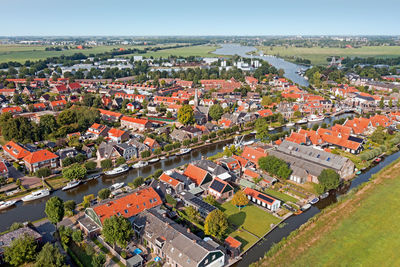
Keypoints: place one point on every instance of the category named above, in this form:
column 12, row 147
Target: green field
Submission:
column 252, row 219
column 360, row 231
column 318, row 55
column 21, row 53
column 198, row 51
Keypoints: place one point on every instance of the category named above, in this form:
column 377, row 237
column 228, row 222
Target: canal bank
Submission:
column 293, row 223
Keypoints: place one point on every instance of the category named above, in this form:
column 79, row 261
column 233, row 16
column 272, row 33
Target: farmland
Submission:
column 318, row 55
column 360, row 230
column 21, row 53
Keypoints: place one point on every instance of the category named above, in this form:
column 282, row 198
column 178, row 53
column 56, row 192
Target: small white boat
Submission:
column 116, row 186
column 140, row 164
column 163, row 157
column 304, row 120
column 306, row 207
column 314, row 118
column 289, row 124
column 248, row 143
column 184, row 151
column 271, row 128
column 72, row 184
column 36, row 195
column 6, row 204
column 121, row 169
column 324, row 195
column 314, row 201
column 153, row 160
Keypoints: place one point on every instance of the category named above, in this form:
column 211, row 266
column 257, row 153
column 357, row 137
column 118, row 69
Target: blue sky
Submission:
column 201, row 17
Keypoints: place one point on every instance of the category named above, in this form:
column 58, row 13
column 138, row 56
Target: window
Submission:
column 126, row 211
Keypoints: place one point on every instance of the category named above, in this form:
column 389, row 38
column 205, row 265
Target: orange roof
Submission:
column 359, row 125
column 251, row 173
column 134, row 120
column 297, row 138
column 265, row 112
column 58, row 103
column 116, row 132
column 39, row 156
column 195, row 174
column 15, row 150
column 149, row 142
column 241, row 160
column 169, row 180
column 11, row 109
column 253, row 154
column 232, row 242
column 129, row 205
column 39, row 105
column 110, row 113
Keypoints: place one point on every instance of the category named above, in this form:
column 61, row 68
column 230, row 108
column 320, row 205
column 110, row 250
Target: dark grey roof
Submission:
column 182, row 246
column 6, row 239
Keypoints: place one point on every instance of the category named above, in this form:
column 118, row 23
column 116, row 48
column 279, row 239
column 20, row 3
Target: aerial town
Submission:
column 199, row 150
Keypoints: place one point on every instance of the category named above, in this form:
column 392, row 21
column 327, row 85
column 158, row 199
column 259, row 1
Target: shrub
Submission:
column 145, row 154
column 106, row 164
column 120, row 160
column 90, row 165
column 168, row 147
column 43, row 172
column 186, row 142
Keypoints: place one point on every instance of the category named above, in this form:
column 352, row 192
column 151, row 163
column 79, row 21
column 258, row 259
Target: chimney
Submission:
column 188, row 230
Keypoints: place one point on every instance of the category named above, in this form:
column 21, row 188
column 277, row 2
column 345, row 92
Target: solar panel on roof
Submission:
column 217, row 185
column 266, row 198
column 202, row 204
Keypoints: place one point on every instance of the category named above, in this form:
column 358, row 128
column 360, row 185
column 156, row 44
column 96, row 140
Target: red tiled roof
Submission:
column 116, row 132
column 58, row 103
column 149, row 142
column 110, row 113
column 39, row 156
column 253, row 154
column 251, row 173
column 15, row 150
column 232, row 242
column 195, row 173
column 265, row 112
column 169, row 180
column 134, row 120
column 11, row 109
column 129, row 205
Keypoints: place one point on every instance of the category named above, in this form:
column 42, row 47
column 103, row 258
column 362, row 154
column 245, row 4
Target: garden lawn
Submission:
column 251, row 218
column 282, row 196
column 318, row 55
column 360, row 231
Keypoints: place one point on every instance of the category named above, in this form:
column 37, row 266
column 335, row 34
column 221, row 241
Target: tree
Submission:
column 275, row 166
column 90, row 165
column 106, row 164
column 157, row 173
column 210, row 200
column 77, row 236
column 69, row 205
column 186, row 115
column 266, row 101
column 43, row 172
column 378, row 136
column 15, row 226
column 138, row 181
column 120, row 161
column 216, row 112
column 216, row 224
column 55, row 210
column 87, row 199
column 74, row 172
column 47, row 125
column 328, row 179
column 21, row 250
column 117, row 230
column 50, row 256
column 104, row 193
column 66, row 117
column 192, row 213
column 99, row 260
column 68, row 161
column 381, row 103
column 240, row 199
column 80, row 158
column 145, row 154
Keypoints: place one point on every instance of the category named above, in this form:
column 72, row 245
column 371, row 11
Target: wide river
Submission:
column 279, row 63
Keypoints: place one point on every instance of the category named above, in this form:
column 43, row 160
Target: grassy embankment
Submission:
column 360, row 230
column 318, row 55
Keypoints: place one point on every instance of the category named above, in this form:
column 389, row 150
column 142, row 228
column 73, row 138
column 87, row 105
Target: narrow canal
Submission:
column 294, row 222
